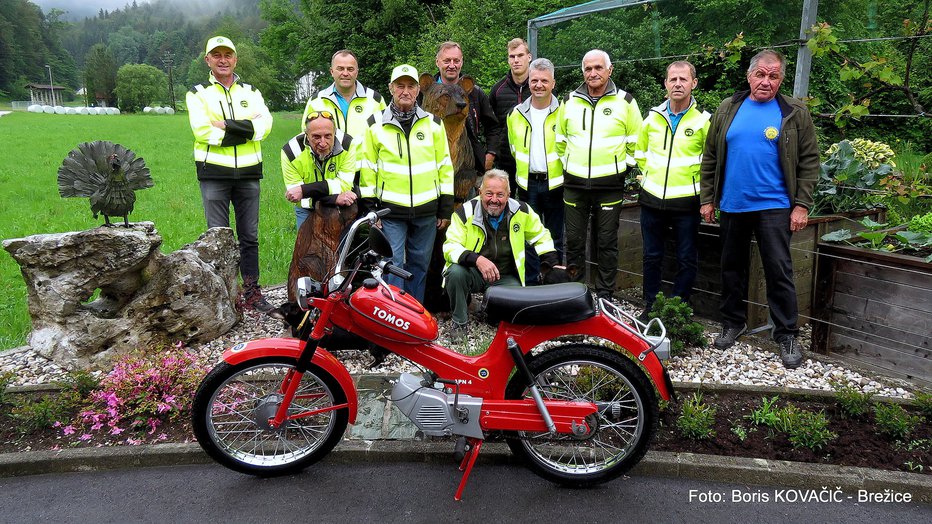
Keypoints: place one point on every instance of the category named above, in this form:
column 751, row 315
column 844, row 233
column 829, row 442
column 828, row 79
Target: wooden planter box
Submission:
column 874, row 308
column 706, row 297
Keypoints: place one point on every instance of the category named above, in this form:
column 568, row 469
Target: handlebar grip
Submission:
column 382, row 212
column 398, row 272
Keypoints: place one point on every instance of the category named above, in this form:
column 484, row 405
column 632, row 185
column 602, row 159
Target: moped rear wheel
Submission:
column 621, row 429
column 233, row 405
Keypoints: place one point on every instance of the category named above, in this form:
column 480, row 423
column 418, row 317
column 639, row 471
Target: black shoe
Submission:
column 790, row 352
column 729, row 336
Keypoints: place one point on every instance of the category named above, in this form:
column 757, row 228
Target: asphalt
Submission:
column 381, row 436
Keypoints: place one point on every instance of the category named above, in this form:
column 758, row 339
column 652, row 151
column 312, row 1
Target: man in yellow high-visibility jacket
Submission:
column 406, row 167
column 229, row 119
column 669, row 153
column 596, row 133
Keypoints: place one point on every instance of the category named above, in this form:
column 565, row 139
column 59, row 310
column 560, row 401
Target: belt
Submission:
column 538, row 176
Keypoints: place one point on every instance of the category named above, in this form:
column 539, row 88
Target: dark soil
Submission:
column 859, row 443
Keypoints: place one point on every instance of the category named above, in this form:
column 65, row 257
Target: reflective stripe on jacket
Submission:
column 519, row 141
column 466, row 234
column 670, row 161
column 596, row 139
column 300, row 167
column 411, row 174
column 234, row 152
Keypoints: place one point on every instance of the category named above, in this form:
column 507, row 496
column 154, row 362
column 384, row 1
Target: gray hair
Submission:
column 771, row 54
column 597, row 52
column 542, row 64
column 497, row 174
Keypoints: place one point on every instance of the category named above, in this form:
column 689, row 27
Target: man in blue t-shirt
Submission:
column 760, row 165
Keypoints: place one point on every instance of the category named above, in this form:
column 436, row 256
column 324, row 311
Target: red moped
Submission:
column 572, row 385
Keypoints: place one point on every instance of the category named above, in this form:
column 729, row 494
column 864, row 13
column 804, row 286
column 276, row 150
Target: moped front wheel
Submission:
column 233, row 405
column 620, row 431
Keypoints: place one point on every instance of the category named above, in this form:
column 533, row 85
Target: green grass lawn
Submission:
column 32, row 147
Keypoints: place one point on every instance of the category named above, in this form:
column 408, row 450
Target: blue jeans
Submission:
column 771, row 228
column 656, row 227
column 300, row 215
column 549, row 205
column 412, row 242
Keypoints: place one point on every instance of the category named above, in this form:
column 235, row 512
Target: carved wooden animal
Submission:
column 315, row 250
column 106, row 173
column 450, row 102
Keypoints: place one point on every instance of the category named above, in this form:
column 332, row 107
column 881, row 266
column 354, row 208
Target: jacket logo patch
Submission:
column 689, row 132
column 420, row 135
column 771, row 133
column 244, row 103
column 358, row 109
column 331, row 168
column 516, row 228
column 607, row 111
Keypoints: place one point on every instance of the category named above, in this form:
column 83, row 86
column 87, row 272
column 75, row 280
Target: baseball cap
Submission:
column 219, row 41
column 404, row 70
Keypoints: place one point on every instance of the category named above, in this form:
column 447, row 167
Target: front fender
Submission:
column 292, row 348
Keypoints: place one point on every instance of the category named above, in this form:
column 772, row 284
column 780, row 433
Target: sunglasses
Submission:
column 318, row 114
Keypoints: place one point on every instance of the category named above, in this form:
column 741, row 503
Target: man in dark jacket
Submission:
column 760, row 165
column 481, row 120
column 503, row 97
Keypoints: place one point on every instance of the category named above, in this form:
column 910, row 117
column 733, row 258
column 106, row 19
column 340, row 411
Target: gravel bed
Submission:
column 752, row 361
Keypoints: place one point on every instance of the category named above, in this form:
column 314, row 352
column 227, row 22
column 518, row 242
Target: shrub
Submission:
column 141, row 393
column 894, row 421
column 923, row 402
column 853, row 402
column 809, row 430
column 765, row 415
column 696, row 419
column 677, row 317
column 44, row 413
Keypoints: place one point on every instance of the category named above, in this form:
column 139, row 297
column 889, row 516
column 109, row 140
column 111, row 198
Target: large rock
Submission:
column 145, row 298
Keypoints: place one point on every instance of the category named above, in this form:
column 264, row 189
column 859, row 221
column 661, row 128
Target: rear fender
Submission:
column 292, row 348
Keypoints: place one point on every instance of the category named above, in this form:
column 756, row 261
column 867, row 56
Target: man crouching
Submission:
column 485, row 245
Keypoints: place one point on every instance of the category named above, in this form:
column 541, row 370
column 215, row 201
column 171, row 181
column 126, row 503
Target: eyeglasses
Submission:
column 318, row 114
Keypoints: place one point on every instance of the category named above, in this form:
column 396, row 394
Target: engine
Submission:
column 434, row 411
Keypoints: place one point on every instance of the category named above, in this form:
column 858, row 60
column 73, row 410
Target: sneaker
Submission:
column 729, row 336
column 253, row 299
column 790, row 352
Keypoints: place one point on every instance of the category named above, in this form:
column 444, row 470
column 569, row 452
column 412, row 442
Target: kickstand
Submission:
column 469, row 460
column 766, row 327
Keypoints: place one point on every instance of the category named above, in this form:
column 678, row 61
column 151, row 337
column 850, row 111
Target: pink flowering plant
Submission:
column 143, row 392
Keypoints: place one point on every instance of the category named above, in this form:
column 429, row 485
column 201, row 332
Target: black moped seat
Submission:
column 538, row 305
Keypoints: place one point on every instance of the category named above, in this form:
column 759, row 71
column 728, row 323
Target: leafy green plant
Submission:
column 5, row 380
column 854, row 403
column 31, row 414
column 697, row 419
column 921, row 223
column 914, row 466
column 923, row 401
column 874, row 238
column 850, row 174
column 895, row 422
column 677, row 317
column 807, row 429
column 740, row 431
column 765, row 415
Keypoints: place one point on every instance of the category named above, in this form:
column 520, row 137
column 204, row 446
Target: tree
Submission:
column 100, row 74
column 139, row 85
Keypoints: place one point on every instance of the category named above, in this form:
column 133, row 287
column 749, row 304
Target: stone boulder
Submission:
column 143, row 297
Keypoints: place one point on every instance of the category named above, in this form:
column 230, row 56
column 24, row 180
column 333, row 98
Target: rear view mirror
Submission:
column 378, row 243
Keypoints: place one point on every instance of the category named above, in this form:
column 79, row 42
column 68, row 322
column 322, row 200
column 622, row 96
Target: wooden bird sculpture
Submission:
column 106, row 173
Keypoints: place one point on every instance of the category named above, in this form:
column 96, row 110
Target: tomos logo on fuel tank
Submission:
column 390, row 319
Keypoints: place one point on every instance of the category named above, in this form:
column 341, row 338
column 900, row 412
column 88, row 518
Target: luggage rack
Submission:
column 659, row 344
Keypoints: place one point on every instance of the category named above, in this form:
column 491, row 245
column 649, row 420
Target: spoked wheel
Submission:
column 233, row 405
column 620, row 430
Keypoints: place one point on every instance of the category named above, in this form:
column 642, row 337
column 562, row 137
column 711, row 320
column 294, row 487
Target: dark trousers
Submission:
column 771, row 228
column 548, row 204
column 656, row 227
column 460, row 281
column 217, row 195
column 604, row 206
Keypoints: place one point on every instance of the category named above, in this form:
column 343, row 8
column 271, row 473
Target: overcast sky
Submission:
column 77, row 9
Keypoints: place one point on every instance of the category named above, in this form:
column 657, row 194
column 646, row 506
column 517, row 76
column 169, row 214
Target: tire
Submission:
column 233, row 401
column 621, row 430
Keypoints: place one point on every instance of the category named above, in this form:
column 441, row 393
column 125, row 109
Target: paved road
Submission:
column 408, row 492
